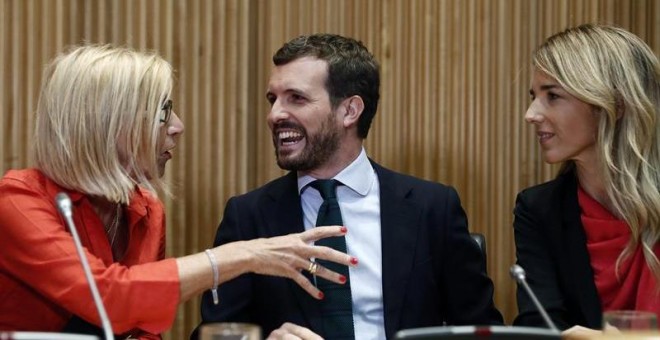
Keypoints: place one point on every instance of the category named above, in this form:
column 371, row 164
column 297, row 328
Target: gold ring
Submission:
column 313, row 266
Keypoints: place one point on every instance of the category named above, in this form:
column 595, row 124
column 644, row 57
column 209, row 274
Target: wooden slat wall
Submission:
column 454, row 90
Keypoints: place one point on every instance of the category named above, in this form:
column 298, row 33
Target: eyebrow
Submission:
column 289, row 90
column 549, row 87
column 545, row 88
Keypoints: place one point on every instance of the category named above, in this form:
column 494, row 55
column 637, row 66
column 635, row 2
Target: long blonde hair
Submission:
column 97, row 120
column 616, row 72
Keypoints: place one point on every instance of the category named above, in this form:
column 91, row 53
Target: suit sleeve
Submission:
column 468, row 290
column 533, row 255
column 235, row 295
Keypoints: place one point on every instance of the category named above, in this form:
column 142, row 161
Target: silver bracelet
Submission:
column 216, row 275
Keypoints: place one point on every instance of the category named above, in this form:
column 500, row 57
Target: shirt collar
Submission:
column 358, row 176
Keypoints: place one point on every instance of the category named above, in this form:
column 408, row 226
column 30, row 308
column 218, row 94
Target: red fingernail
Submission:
column 321, row 295
column 342, row 279
column 354, row 260
column 344, row 229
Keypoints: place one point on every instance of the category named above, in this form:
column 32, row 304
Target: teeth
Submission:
column 288, row 134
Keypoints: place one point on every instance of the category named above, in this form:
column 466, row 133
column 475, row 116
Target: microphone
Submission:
column 65, row 208
column 518, row 274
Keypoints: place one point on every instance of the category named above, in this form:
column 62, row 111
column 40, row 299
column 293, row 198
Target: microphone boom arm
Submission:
column 64, row 205
column 518, row 274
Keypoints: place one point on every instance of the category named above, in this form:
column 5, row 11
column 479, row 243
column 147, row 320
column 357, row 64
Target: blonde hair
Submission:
column 97, row 120
column 616, row 72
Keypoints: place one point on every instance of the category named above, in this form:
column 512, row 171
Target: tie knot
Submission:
column 327, row 187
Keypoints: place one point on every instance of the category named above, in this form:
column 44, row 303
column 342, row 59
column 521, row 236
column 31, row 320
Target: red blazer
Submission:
column 42, row 280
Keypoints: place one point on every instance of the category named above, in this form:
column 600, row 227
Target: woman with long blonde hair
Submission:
column 589, row 239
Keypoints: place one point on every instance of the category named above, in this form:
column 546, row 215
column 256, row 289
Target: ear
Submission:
column 620, row 107
column 352, row 110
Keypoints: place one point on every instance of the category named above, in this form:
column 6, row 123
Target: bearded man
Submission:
column 417, row 266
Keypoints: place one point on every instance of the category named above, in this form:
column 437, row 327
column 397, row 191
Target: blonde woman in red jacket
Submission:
column 105, row 129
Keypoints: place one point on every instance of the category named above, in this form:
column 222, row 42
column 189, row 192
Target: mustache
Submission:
column 287, row 125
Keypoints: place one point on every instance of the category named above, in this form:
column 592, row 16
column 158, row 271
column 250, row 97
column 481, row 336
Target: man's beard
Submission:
column 318, row 148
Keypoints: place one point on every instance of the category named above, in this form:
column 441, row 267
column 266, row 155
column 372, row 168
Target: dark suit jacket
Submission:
column 432, row 269
column 551, row 247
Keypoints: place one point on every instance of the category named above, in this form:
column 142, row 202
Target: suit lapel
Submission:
column 282, row 214
column 398, row 217
column 576, row 256
column 281, row 209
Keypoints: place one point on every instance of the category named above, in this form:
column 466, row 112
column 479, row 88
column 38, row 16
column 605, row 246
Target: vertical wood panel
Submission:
column 455, row 76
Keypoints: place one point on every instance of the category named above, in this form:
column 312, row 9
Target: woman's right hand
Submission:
column 287, row 256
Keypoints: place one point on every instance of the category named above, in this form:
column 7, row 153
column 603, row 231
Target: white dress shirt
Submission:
column 359, row 201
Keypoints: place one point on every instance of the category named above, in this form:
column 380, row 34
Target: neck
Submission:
column 344, row 156
column 591, row 181
column 103, row 206
column 111, row 215
column 107, row 211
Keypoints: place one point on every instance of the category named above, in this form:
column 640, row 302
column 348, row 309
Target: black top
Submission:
column 552, row 248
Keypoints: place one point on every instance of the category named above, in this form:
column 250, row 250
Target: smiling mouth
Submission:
column 544, row 136
column 288, row 138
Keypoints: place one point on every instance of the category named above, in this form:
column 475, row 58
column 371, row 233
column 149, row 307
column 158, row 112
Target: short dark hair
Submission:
column 352, row 70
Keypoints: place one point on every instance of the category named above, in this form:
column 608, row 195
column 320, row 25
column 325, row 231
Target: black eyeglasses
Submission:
column 167, row 108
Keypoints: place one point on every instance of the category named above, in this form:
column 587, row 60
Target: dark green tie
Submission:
column 336, row 307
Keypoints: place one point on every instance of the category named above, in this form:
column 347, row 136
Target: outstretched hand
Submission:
column 288, row 255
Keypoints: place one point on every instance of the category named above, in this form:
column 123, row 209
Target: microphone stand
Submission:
column 518, row 274
column 64, row 205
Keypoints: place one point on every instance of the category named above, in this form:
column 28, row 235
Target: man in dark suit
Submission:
column 417, row 266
